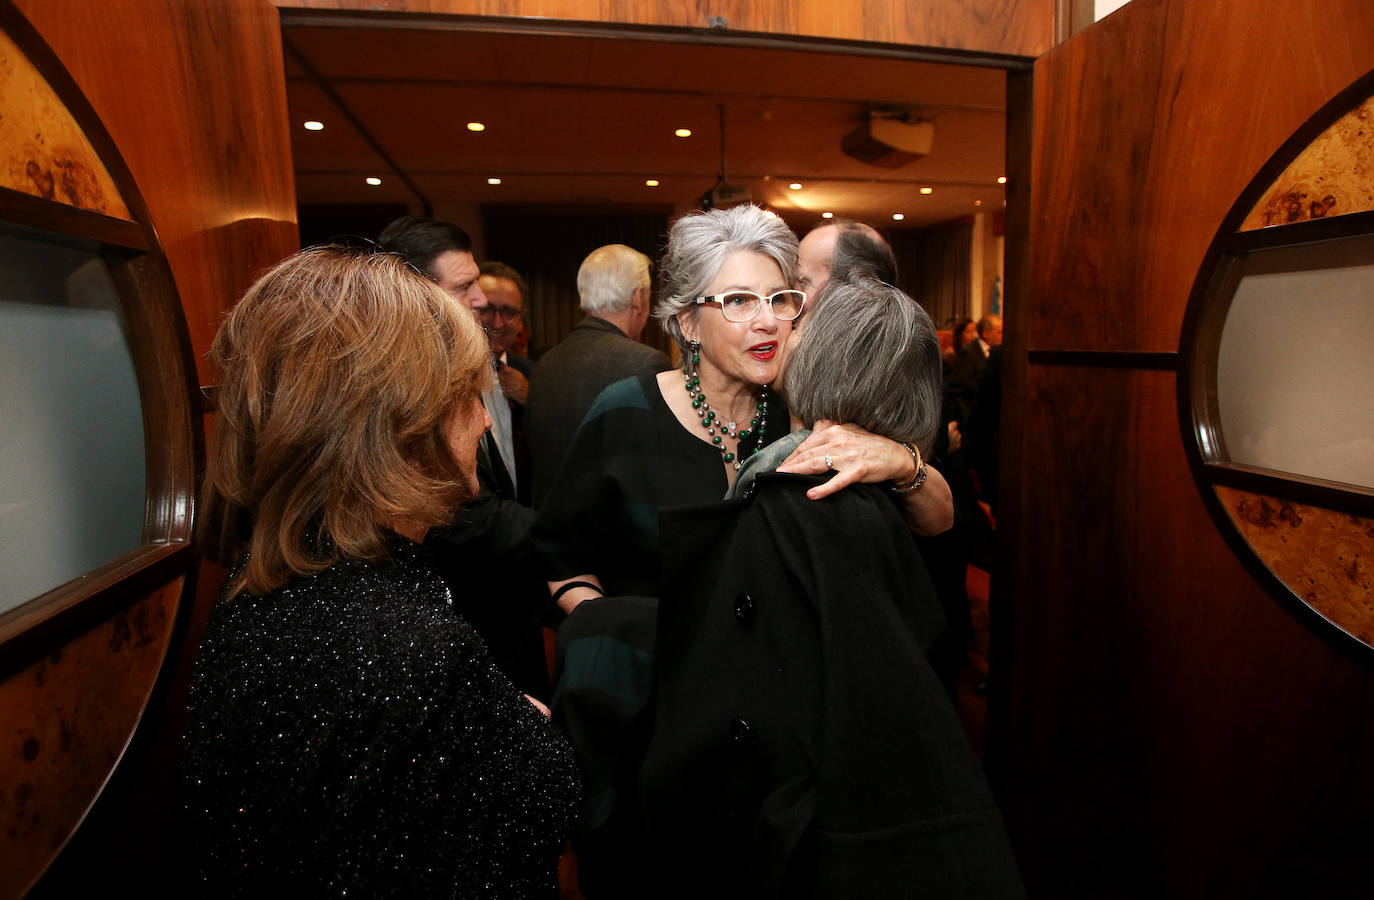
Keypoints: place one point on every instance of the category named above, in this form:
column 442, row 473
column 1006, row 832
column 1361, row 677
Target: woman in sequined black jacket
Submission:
column 348, row 733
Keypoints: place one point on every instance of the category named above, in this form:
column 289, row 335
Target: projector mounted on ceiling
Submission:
column 722, row 193
column 890, row 138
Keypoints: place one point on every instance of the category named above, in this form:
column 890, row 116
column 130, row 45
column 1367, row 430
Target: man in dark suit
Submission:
column 969, row 367
column 502, row 317
column 484, row 553
column 613, row 283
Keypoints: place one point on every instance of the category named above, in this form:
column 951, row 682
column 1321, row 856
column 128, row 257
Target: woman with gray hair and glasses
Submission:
column 802, row 744
column 679, row 438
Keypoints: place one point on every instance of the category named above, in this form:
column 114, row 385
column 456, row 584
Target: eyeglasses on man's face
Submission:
column 508, row 313
column 743, row 306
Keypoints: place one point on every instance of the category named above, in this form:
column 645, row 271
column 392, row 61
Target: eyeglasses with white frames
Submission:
column 743, row 306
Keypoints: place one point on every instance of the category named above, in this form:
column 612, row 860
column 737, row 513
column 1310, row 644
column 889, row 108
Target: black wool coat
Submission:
column 801, row 743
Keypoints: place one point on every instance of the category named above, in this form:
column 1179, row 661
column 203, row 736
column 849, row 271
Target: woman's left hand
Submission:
column 859, row 456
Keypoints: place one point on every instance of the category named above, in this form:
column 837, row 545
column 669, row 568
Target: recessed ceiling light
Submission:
column 897, row 217
column 827, row 215
column 977, row 202
column 476, row 126
column 1002, row 180
column 312, row 125
column 796, row 186
column 493, row 181
column 683, row 132
column 651, row 182
column 927, row 190
column 373, row 180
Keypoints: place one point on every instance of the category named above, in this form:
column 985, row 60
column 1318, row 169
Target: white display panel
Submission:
column 72, row 455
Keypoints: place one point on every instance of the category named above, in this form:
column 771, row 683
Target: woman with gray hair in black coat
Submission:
column 802, row 744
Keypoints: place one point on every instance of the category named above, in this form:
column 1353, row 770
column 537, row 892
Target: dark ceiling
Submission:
column 587, row 120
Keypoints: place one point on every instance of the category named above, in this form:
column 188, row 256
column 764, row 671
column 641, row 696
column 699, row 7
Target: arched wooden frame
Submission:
column 1232, row 253
column 164, row 368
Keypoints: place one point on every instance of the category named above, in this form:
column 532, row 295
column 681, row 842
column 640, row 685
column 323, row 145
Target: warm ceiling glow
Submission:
column 977, row 202
column 683, row 132
column 897, row 217
column 927, row 190
column 493, row 181
column 373, row 180
column 1002, row 180
column 827, row 215
column 476, row 126
column 796, row 186
column 312, row 125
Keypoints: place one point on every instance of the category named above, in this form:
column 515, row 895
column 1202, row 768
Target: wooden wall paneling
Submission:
column 1147, row 139
column 1164, row 714
column 1333, row 176
column 67, row 723
column 192, row 95
column 1013, row 27
column 1166, row 729
column 57, row 162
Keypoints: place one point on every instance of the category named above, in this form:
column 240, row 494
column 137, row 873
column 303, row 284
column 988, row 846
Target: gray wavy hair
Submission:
column 869, row 355
column 609, row 275
column 697, row 245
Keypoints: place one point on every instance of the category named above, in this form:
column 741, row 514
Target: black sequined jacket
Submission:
column 349, row 734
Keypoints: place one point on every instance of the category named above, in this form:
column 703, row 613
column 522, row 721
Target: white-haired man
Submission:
column 613, row 283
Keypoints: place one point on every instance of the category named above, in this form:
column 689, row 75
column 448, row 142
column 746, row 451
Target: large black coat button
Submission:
column 742, row 733
column 744, row 608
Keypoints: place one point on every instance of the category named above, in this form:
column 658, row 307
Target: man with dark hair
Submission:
column 485, row 551
column 443, row 251
column 839, row 249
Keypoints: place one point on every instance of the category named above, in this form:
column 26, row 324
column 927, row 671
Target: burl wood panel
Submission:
column 1325, row 557
column 1172, row 730
column 1014, row 27
column 43, row 151
column 1148, row 127
column 194, row 96
column 1334, row 176
column 64, row 729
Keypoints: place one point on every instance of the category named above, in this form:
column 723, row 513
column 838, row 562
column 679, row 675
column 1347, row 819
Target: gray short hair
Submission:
column 868, row 355
column 697, row 244
column 609, row 275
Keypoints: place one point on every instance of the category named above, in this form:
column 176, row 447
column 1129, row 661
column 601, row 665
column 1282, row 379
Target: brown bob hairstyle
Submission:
column 339, row 370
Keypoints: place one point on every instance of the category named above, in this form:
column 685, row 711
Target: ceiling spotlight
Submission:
column 1002, row 180
column 927, row 190
column 373, row 180
column 683, row 132
column 476, row 126
column 977, row 202
column 827, row 215
column 796, row 186
column 897, row 217
column 493, row 181
column 312, row 125
column 651, row 182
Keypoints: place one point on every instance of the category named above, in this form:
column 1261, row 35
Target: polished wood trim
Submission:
column 34, row 628
column 728, row 37
column 70, row 221
column 1305, row 232
column 1105, row 359
column 1350, row 498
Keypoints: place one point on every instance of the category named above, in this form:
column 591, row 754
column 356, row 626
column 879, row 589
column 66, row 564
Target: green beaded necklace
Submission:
column 758, row 425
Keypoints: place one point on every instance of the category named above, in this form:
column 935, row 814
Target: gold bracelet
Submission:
column 920, row 476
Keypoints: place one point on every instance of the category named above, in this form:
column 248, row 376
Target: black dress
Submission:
column 348, row 734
